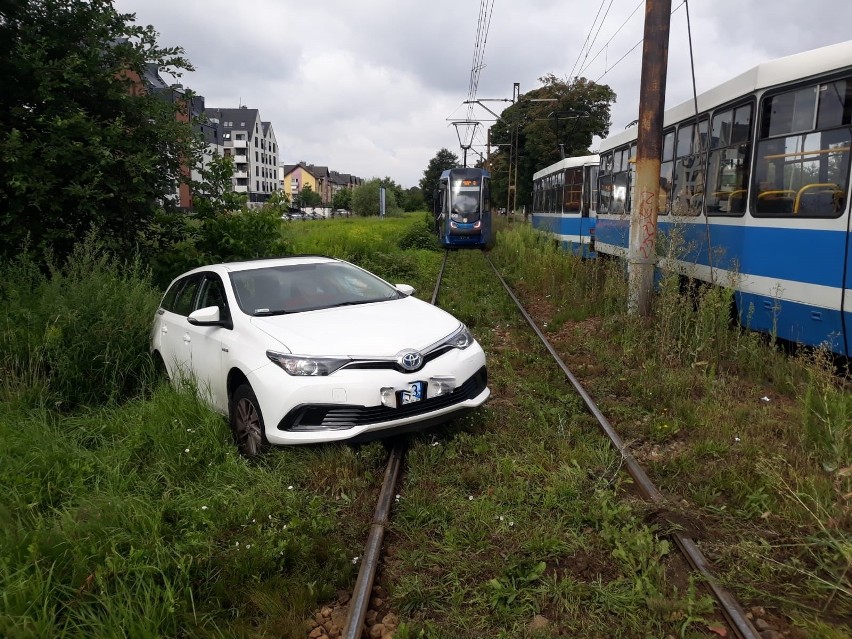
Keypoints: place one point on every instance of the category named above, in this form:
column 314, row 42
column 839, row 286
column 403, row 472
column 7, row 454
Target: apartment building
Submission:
column 251, row 144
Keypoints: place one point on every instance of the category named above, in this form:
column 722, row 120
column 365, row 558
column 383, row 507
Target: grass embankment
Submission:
column 752, row 447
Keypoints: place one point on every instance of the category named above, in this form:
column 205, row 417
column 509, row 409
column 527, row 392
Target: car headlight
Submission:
column 304, row 366
column 461, row 338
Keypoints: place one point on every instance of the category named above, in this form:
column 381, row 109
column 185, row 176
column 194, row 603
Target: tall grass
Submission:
column 697, row 388
column 77, row 333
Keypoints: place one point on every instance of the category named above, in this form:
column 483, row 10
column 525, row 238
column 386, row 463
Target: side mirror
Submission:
column 207, row 316
column 405, row 289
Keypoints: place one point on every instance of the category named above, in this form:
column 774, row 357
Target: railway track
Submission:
column 355, row 628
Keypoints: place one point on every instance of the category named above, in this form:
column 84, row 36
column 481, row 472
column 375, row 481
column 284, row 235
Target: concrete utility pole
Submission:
column 642, row 252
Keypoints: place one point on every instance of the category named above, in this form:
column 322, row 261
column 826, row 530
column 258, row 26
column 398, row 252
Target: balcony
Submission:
column 240, row 189
column 241, row 174
column 240, row 144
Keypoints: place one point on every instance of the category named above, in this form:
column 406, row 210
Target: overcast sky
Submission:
column 367, row 86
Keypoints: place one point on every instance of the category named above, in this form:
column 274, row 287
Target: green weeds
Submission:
column 754, row 442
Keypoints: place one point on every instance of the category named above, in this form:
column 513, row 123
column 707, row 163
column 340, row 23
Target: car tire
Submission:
column 247, row 422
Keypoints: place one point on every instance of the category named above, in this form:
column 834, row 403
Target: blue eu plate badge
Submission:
column 414, row 393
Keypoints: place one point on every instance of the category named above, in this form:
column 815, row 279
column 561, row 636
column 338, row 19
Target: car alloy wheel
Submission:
column 247, row 422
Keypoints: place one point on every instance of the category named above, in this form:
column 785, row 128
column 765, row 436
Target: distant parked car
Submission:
column 301, row 350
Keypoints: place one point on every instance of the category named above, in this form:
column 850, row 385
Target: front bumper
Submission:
column 347, row 405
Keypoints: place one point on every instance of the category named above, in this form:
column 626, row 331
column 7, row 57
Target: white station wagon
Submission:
column 308, row 349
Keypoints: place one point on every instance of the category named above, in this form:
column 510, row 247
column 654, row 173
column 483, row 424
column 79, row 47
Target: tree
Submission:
column 342, row 199
column 214, row 193
column 82, row 143
column 413, row 200
column 365, row 199
column 546, row 130
column 443, row 160
column 309, row 197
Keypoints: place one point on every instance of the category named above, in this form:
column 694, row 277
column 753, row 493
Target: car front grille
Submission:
column 339, row 417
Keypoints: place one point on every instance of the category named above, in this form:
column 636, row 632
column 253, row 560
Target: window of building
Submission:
column 240, row 136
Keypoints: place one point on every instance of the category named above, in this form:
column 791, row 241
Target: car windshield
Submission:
column 277, row 290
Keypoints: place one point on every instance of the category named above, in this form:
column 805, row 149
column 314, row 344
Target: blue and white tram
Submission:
column 564, row 202
column 754, row 194
column 463, row 208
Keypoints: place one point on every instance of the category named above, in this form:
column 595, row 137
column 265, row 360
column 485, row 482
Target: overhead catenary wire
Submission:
column 586, row 41
column 608, row 42
column 483, row 25
column 600, row 26
column 600, row 77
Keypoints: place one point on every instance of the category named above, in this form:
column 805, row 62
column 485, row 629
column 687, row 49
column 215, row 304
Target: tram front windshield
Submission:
column 465, row 200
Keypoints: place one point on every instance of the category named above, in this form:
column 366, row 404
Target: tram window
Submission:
column 741, row 131
column 668, row 146
column 791, row 112
column 721, row 129
column 805, row 175
column 684, row 140
column 835, row 105
column 689, row 170
column 606, row 163
column 573, row 190
column 728, row 162
column 804, row 172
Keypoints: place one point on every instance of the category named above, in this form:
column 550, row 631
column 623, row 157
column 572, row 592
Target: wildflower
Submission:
column 289, row 488
column 186, row 450
column 204, row 508
column 355, row 560
column 470, row 497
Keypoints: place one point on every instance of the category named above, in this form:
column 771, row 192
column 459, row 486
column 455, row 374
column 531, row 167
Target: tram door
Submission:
column 439, row 208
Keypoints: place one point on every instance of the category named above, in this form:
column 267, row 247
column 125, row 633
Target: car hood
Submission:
column 365, row 330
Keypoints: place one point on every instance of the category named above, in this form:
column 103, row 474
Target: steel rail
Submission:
column 360, row 601
column 731, row 609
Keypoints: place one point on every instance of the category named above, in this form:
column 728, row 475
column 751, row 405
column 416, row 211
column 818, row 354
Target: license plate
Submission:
column 414, row 393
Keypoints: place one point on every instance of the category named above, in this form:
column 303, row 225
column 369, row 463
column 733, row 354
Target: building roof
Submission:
column 241, row 119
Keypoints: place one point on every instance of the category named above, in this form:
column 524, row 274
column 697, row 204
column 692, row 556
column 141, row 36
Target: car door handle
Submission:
column 164, row 330
column 187, row 339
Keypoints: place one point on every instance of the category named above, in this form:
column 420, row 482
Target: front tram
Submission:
column 463, row 209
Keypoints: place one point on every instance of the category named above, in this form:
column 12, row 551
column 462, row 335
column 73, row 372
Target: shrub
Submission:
column 419, row 236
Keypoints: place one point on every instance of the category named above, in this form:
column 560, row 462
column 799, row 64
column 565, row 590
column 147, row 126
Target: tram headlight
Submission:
column 453, row 225
column 477, row 224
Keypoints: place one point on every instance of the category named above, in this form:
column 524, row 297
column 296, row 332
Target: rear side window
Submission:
column 181, row 294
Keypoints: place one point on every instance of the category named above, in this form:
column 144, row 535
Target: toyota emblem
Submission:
column 411, row 360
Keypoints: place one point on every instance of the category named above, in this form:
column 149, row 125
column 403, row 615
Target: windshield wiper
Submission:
column 355, row 303
column 270, row 313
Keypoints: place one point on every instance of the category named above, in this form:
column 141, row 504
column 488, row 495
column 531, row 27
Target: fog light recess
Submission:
column 441, row 385
column 388, row 397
